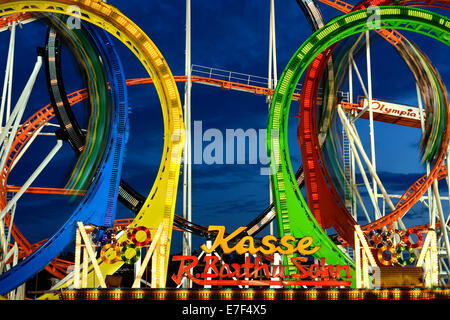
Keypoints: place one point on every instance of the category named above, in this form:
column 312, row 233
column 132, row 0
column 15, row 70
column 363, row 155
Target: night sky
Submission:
column 231, row 35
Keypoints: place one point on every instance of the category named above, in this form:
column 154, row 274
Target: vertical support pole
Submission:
column 355, row 139
column 362, row 248
column 6, row 86
column 13, row 119
column 427, row 267
column 428, row 260
column 90, row 251
column 246, row 255
column 277, row 261
column 76, row 270
column 272, row 84
column 371, row 125
column 352, row 156
column 154, row 259
column 3, row 245
column 11, row 69
column 434, row 260
column 357, row 262
column 31, row 179
column 148, row 255
column 365, row 268
column 187, row 165
column 365, row 246
column 208, row 245
column 440, row 212
column 356, row 157
column 15, row 253
column 159, row 258
column 85, row 268
column 429, row 192
column 137, row 267
column 12, row 215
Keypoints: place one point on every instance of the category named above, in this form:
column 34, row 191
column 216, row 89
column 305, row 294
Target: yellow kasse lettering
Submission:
column 285, row 243
column 267, row 241
column 304, row 243
column 240, row 249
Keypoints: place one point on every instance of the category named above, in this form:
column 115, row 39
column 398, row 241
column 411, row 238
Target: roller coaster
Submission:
column 309, row 201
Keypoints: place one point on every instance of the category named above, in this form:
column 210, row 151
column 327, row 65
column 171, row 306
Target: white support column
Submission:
column 441, row 218
column 14, row 119
column 371, row 124
column 277, row 262
column 208, row 245
column 3, row 244
column 31, row 179
column 13, row 214
column 7, row 86
column 352, row 157
column 25, row 148
column 148, row 256
column 358, row 197
column 11, row 69
column 272, row 84
column 273, row 38
column 358, row 160
column 84, row 274
column 357, row 262
column 355, row 139
column 77, row 265
column 7, row 256
column 431, row 208
column 137, row 268
column 187, row 163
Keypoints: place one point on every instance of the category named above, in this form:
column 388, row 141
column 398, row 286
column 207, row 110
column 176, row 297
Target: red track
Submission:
column 58, row 267
column 328, row 208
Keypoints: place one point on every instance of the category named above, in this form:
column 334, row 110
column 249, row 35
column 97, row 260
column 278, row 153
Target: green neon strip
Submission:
column 293, row 214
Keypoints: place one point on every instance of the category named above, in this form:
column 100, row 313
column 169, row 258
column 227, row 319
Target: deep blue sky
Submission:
column 231, row 35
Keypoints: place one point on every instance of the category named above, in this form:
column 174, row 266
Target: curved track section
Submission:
column 70, row 128
column 93, row 209
column 163, row 194
column 43, row 116
column 294, row 216
column 329, row 209
column 90, row 150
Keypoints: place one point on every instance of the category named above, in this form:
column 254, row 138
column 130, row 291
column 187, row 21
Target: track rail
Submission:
column 291, row 207
column 92, row 209
column 163, row 194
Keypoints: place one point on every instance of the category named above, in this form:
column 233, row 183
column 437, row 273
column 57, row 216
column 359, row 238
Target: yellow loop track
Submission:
column 160, row 203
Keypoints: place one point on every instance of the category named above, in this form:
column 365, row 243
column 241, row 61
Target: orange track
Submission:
column 46, row 114
column 39, row 190
column 40, row 118
column 5, row 21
